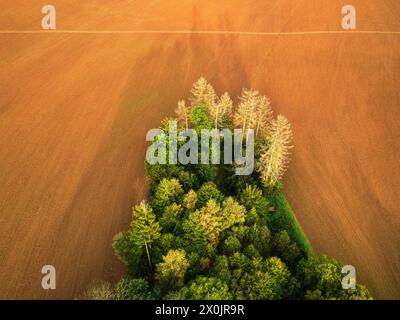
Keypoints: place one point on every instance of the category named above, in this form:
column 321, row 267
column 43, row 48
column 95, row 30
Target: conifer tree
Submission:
column 232, row 213
column 190, row 200
column 210, row 221
column 144, row 227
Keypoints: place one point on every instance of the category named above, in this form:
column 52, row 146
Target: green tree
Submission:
column 360, row 293
column 251, row 252
column 170, row 219
column 129, row 252
column 171, row 271
column 199, row 118
column 232, row 213
column 231, row 245
column 252, row 197
column 207, row 192
column 190, row 200
column 210, row 221
column 259, row 236
column 192, row 227
column 188, row 180
column 221, row 269
column 322, row 279
column 165, row 243
column 144, row 227
column 167, row 192
column 270, row 282
column 207, row 288
column 285, row 248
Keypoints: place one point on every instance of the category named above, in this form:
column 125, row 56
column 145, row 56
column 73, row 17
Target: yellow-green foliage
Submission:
column 171, row 271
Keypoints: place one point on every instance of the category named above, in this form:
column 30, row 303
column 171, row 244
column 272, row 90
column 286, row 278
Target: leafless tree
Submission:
column 203, row 93
column 183, row 113
column 222, row 108
column 246, row 116
column 275, row 155
column 263, row 115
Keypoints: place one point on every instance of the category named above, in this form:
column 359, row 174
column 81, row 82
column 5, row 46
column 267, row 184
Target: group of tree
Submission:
column 204, row 233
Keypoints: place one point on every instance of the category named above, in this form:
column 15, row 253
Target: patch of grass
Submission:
column 283, row 218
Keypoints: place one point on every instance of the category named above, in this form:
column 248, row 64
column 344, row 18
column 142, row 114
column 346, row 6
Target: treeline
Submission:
column 206, row 233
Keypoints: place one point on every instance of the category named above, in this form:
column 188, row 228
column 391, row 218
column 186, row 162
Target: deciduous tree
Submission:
column 183, row 113
column 263, row 115
column 246, row 115
column 203, row 93
column 232, row 213
column 190, row 200
column 167, row 192
column 171, row 271
column 132, row 289
column 210, row 221
column 144, row 227
column 275, row 155
column 221, row 109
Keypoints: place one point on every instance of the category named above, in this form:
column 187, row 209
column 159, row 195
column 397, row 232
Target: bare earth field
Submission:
column 75, row 108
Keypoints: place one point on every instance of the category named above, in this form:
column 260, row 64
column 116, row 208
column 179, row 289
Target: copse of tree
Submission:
column 214, row 235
